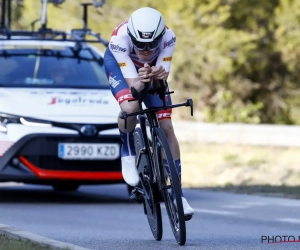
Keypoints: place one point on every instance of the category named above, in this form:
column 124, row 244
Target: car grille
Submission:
column 42, row 152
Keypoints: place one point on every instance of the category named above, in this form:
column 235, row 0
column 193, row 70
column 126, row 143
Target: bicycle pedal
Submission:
column 188, row 217
column 137, row 196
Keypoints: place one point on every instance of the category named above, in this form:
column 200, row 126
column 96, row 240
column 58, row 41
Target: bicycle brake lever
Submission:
column 135, row 93
column 163, row 85
column 190, row 103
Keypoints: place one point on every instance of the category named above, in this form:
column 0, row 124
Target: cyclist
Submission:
column 140, row 51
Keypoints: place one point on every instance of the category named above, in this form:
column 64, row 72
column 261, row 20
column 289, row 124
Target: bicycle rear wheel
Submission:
column 170, row 186
column 152, row 208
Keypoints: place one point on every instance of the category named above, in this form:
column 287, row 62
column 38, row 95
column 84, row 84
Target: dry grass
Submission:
column 211, row 165
column 9, row 243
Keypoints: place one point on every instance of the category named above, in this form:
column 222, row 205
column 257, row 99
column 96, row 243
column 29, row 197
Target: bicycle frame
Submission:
column 151, row 112
column 153, row 122
column 153, row 184
column 150, row 115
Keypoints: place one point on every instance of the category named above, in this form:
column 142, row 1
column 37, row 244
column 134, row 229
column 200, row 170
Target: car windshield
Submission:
column 63, row 67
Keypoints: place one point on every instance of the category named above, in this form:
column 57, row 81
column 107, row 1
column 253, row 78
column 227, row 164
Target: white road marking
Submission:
column 289, row 220
column 235, row 206
column 288, row 204
column 252, row 203
column 210, row 211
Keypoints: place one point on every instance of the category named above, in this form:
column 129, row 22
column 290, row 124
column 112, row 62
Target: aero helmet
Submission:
column 146, row 27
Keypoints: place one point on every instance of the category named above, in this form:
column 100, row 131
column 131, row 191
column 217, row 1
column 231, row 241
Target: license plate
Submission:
column 89, row 151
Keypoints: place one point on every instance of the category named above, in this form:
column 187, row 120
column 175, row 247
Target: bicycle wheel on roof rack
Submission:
column 151, row 205
column 170, row 186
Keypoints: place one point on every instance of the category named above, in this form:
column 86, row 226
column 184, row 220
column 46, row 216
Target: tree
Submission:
column 238, row 60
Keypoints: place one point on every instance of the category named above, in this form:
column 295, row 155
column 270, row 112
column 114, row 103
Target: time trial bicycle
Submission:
column 159, row 180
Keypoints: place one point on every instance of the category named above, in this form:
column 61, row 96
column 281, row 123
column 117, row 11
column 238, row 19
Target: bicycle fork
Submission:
column 141, row 190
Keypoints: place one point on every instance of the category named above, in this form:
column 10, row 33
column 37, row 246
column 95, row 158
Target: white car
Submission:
column 58, row 118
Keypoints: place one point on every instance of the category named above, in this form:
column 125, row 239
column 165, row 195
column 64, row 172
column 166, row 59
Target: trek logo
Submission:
column 146, row 34
column 170, row 43
column 113, row 82
column 124, row 98
column 76, row 101
column 163, row 115
column 117, row 48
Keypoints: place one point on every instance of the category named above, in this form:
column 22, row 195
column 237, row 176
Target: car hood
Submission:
column 63, row 105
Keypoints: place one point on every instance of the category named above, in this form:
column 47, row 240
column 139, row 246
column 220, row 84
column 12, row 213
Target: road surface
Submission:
column 102, row 217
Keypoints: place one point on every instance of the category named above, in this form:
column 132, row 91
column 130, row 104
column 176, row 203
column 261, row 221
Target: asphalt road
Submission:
column 102, row 217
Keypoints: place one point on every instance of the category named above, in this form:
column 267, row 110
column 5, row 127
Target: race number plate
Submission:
column 88, row 151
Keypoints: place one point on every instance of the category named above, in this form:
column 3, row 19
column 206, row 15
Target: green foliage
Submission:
column 10, row 243
column 17, row 11
column 238, row 60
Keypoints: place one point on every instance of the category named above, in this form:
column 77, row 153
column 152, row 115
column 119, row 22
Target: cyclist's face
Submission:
column 143, row 55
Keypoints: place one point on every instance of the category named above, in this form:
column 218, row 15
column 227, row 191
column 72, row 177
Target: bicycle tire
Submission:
column 153, row 214
column 175, row 213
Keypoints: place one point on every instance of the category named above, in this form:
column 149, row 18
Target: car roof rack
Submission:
column 47, row 34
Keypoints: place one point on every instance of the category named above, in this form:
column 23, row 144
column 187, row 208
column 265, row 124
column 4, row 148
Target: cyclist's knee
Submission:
column 167, row 127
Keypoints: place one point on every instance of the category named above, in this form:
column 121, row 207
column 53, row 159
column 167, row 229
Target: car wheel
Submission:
column 65, row 187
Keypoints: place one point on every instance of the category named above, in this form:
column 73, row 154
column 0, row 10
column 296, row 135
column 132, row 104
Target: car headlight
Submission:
column 8, row 119
column 32, row 122
column 3, row 128
column 4, row 120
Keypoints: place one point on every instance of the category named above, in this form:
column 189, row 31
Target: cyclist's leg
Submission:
column 165, row 121
column 120, row 90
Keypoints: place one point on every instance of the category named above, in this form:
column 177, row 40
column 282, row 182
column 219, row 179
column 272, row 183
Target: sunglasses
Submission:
column 150, row 46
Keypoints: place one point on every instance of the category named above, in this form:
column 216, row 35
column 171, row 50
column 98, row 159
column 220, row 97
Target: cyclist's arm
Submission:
column 132, row 77
column 165, row 57
column 121, row 54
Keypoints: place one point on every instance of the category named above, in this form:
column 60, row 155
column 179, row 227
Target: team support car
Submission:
column 58, row 121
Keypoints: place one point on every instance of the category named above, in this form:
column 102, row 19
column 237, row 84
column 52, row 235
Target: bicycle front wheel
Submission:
column 170, row 186
column 152, row 208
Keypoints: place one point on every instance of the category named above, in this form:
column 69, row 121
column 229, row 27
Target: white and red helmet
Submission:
column 146, row 27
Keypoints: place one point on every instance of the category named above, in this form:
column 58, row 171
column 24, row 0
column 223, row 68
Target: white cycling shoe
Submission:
column 129, row 170
column 187, row 210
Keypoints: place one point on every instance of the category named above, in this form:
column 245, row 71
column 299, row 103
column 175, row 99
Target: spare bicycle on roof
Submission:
column 45, row 33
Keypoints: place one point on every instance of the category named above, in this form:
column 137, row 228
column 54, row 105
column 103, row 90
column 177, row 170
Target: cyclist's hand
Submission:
column 159, row 72
column 144, row 73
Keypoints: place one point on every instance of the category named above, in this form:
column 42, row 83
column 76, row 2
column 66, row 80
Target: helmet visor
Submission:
column 146, row 45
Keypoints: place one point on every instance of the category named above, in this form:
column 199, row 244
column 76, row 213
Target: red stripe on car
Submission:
column 71, row 175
